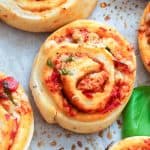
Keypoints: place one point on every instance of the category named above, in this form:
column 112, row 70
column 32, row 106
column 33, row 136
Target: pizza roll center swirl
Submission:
column 82, row 75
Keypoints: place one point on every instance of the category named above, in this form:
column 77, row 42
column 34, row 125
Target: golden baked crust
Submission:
column 38, row 6
column 133, row 143
column 83, row 76
column 45, row 15
column 144, row 37
column 16, row 116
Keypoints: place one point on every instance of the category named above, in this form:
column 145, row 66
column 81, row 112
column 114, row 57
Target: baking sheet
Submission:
column 18, row 49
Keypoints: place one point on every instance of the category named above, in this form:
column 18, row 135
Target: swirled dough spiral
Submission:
column 83, row 76
column 144, row 37
column 16, row 117
column 43, row 15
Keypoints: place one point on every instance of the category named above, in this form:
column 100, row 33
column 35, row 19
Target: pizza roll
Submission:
column 83, row 76
column 133, row 143
column 16, row 127
column 43, row 15
column 144, row 37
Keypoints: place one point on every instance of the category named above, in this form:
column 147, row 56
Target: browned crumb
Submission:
column 49, row 136
column 53, row 143
column 109, row 135
column 62, row 148
column 79, row 143
column 59, row 135
column 40, row 143
column 136, row 6
column 35, row 133
column 68, row 134
column 89, row 139
column 100, row 134
column 125, row 25
column 73, row 147
column 103, row 5
column 106, row 18
column 44, row 132
column 119, row 123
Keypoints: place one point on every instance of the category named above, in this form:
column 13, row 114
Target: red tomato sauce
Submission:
column 68, row 109
column 116, row 96
column 53, row 82
column 90, row 85
column 122, row 67
column 13, row 133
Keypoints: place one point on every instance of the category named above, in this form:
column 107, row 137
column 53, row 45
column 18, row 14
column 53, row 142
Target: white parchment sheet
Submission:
column 17, row 52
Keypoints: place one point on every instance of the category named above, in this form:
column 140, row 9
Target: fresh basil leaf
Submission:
column 136, row 116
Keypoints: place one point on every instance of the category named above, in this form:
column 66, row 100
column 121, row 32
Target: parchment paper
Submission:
column 17, row 52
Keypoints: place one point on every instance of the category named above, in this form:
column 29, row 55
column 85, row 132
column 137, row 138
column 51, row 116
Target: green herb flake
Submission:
column 8, row 93
column 69, row 59
column 49, row 63
column 108, row 49
column 64, row 71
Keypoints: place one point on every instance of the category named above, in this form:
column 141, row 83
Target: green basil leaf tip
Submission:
column 136, row 116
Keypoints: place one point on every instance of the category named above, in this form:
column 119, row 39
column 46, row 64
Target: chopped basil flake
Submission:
column 108, row 49
column 9, row 96
column 65, row 72
column 69, row 59
column 49, row 63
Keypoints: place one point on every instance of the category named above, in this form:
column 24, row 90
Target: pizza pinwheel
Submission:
column 16, row 118
column 144, row 37
column 133, row 143
column 43, row 15
column 83, row 76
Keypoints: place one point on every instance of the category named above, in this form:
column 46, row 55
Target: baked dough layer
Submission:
column 16, row 116
column 45, row 15
column 144, row 37
column 39, row 6
column 83, row 76
column 133, row 143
